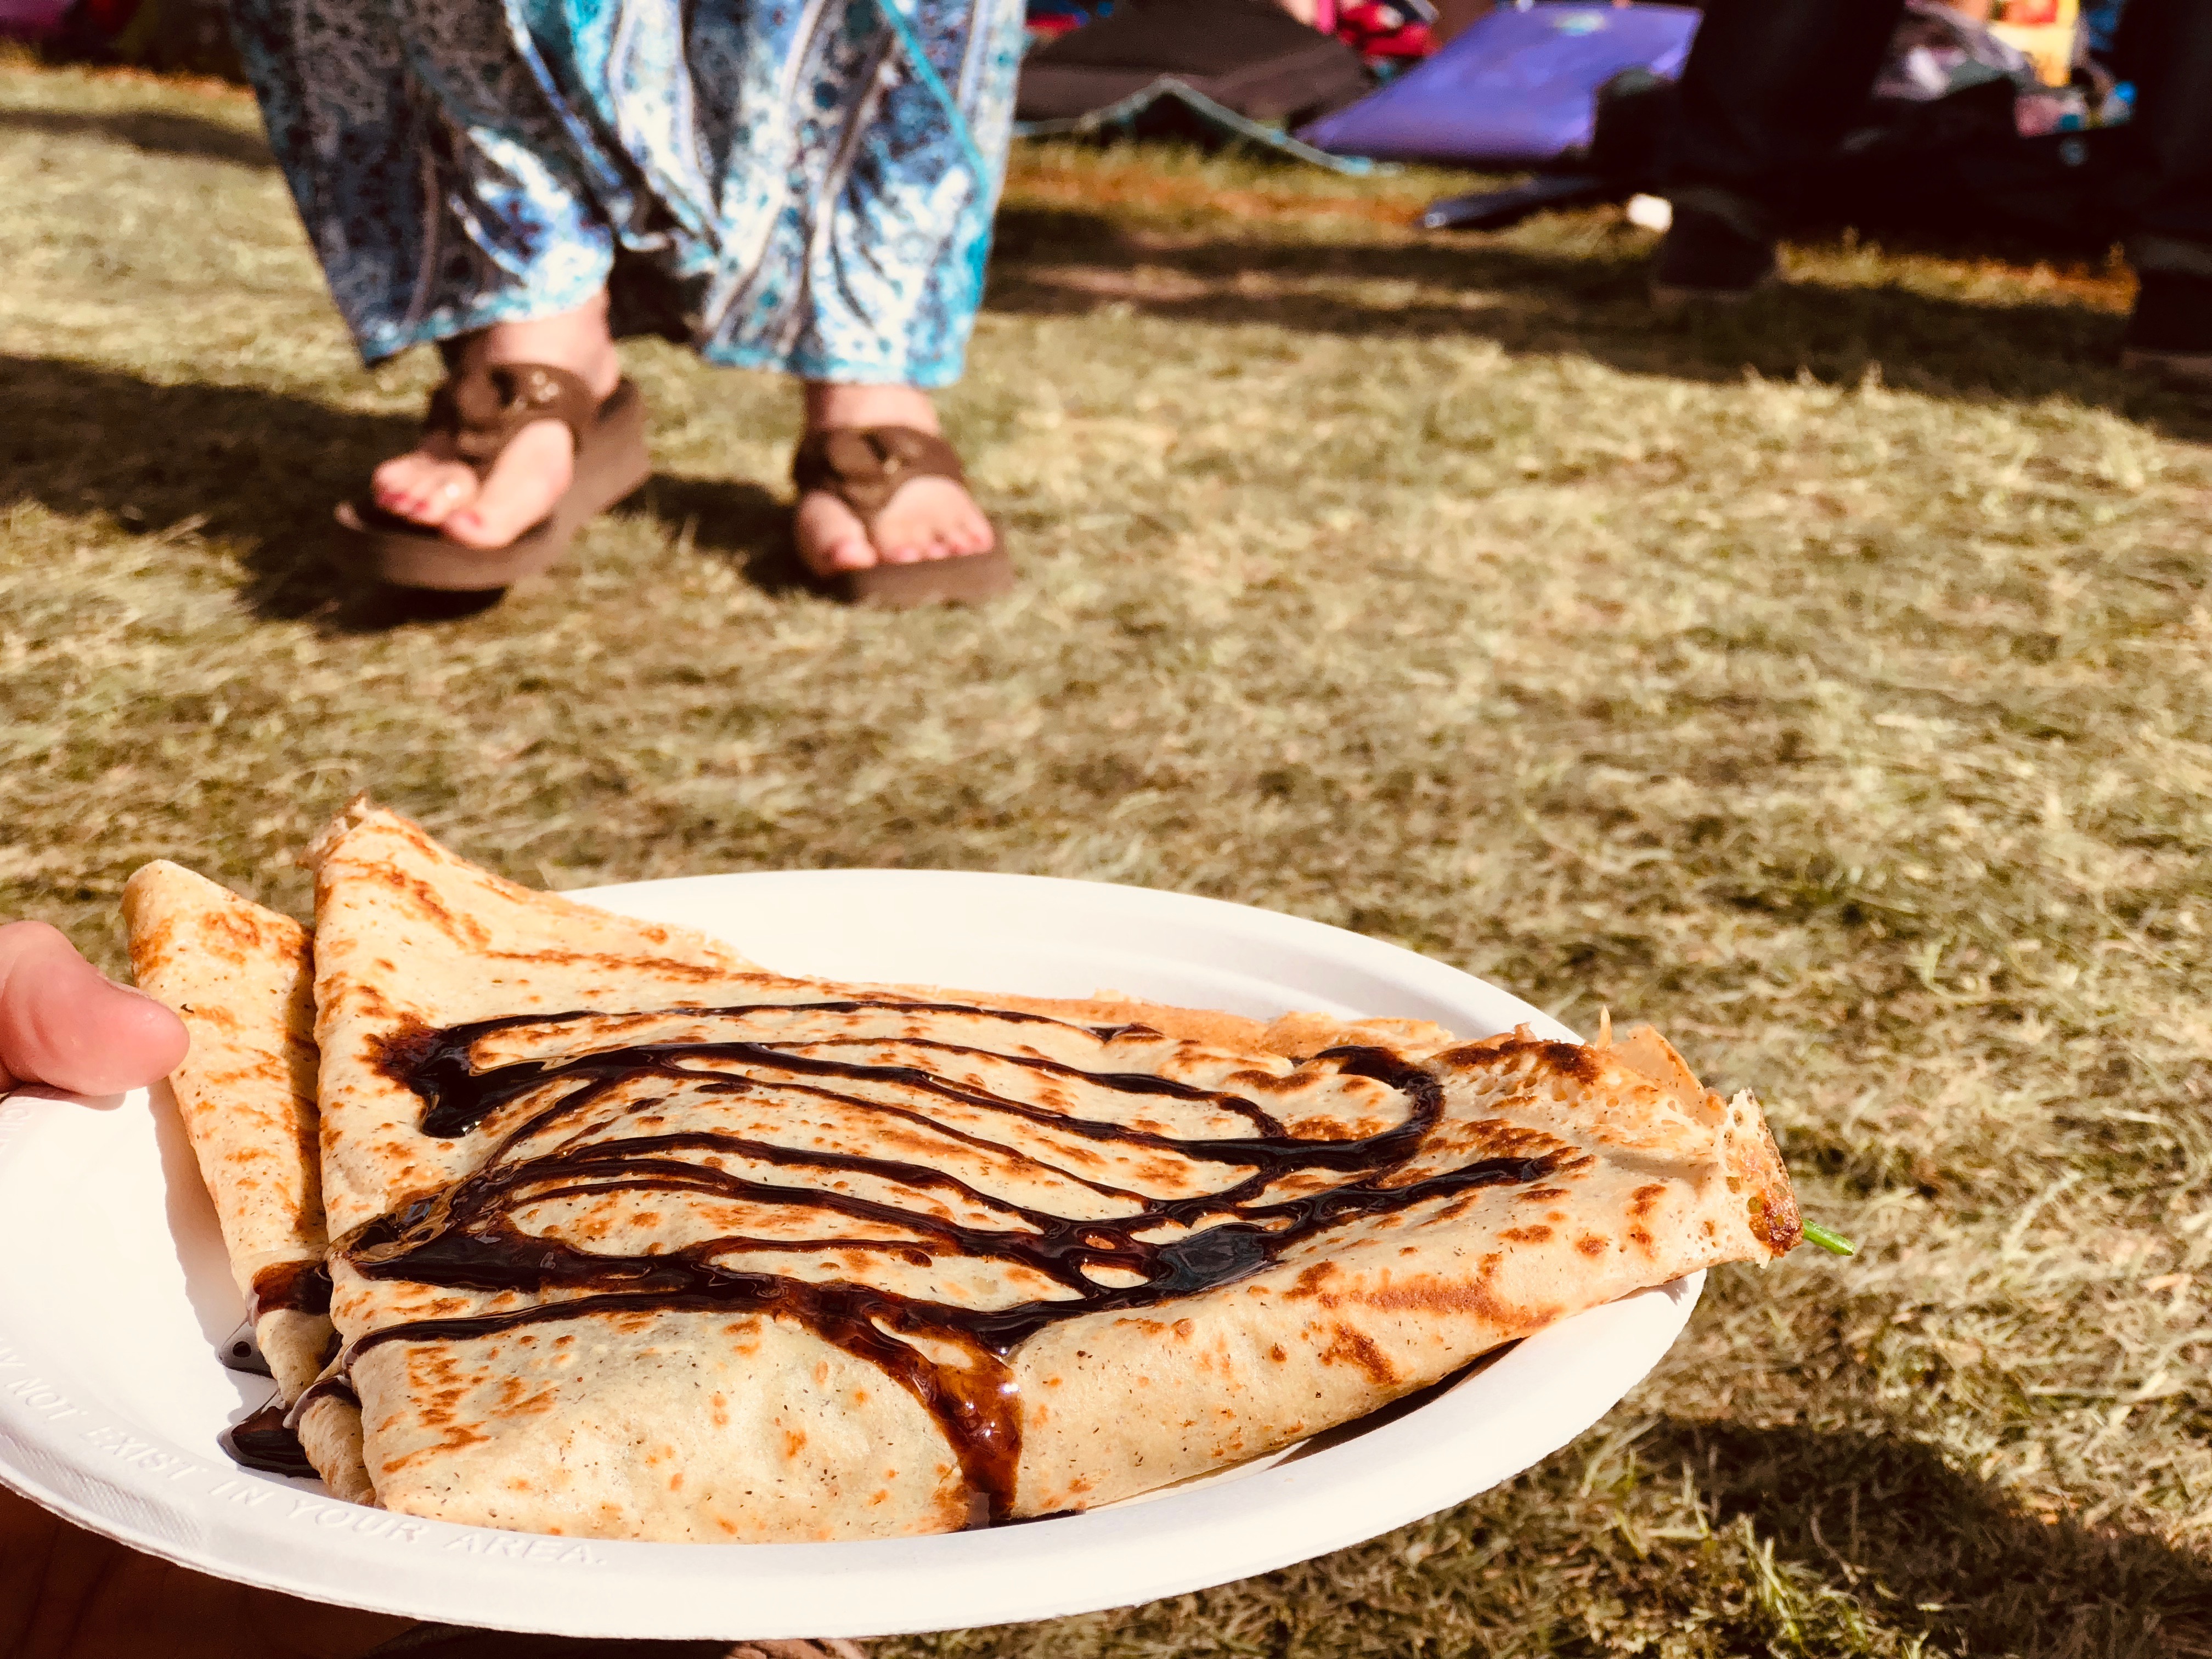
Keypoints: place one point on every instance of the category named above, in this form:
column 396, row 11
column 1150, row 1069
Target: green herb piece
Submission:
column 1834, row 1243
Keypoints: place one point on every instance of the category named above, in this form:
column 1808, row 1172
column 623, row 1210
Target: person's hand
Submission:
column 65, row 1594
column 62, row 1023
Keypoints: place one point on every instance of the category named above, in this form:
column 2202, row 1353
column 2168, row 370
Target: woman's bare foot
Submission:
column 429, row 486
column 927, row 519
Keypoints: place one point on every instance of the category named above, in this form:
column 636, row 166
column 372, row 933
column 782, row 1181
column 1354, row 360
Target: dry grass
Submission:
column 1827, row 684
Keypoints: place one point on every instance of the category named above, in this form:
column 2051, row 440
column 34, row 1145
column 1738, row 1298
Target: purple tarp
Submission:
column 1517, row 89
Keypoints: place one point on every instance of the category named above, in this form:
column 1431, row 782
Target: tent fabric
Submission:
column 1516, row 89
column 1248, row 55
column 1168, row 94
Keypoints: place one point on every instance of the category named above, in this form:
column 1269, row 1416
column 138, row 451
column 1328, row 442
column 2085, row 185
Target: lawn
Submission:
column 1827, row 684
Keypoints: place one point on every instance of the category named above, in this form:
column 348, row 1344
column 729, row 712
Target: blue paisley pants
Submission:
column 774, row 182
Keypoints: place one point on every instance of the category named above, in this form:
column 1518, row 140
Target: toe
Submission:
column 830, row 539
column 932, row 519
column 398, row 482
column 531, row 475
column 422, row 487
column 471, row 528
column 441, row 497
column 929, row 518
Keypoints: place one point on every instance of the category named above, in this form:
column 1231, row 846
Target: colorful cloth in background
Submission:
column 768, row 180
column 29, row 20
column 1048, row 19
column 1383, row 32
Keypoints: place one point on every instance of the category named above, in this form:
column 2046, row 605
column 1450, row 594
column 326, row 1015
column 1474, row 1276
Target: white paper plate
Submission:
column 114, row 1294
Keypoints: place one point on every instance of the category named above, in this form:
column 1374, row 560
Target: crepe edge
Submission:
column 1297, row 1036
column 363, row 820
column 386, row 892
column 329, row 1428
column 1752, row 1160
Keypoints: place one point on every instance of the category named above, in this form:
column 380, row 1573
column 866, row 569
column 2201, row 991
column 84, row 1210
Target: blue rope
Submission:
column 925, row 72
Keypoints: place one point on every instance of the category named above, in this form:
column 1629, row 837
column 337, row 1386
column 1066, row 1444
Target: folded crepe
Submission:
column 636, row 1240
column 240, row 978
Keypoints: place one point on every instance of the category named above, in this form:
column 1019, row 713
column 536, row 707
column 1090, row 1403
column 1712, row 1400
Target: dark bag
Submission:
column 1958, row 165
column 1249, row 55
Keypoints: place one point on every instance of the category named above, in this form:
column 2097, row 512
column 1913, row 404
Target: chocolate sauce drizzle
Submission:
column 466, row 1237
column 296, row 1286
column 242, row 1353
column 265, row 1441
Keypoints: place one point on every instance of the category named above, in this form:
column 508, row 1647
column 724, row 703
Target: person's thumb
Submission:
column 64, row 1025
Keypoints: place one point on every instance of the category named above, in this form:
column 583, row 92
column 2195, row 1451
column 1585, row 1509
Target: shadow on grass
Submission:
column 1056, row 261
column 744, row 521
column 1936, row 1551
column 158, row 133
column 266, row 468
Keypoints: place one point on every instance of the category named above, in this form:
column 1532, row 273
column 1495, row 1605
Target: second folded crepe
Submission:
column 241, row 977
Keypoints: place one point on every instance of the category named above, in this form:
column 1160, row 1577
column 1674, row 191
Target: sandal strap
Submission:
column 481, row 410
column 864, row 466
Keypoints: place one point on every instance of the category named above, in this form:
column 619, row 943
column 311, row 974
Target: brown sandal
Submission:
column 863, row 466
column 481, row 411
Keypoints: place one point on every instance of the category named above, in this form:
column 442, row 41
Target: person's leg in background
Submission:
column 915, row 212
column 447, row 205
column 2165, row 48
column 858, row 220
column 1770, row 86
column 782, row 186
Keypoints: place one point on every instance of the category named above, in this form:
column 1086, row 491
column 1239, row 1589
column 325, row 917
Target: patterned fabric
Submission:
column 769, row 180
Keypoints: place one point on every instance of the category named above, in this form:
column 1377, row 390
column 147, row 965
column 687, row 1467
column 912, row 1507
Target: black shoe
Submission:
column 1707, row 260
column 2170, row 335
